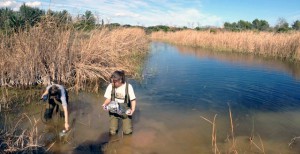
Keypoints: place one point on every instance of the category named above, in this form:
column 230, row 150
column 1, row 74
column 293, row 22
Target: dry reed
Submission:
column 213, row 134
column 48, row 51
column 233, row 148
column 18, row 139
column 282, row 45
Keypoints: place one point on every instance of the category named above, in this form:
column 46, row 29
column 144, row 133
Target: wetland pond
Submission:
column 183, row 86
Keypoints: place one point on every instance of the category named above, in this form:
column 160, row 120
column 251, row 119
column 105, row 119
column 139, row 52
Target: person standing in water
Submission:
column 122, row 94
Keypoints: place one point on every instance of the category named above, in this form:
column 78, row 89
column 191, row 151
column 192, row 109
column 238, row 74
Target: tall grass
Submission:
column 48, row 51
column 282, row 45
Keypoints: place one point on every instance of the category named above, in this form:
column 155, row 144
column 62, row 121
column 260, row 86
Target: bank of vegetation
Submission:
column 281, row 45
column 256, row 37
column 38, row 46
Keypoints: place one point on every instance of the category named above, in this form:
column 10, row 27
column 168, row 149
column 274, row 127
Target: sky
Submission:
column 190, row 13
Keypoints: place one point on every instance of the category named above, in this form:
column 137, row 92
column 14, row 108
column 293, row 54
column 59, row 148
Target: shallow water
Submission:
column 181, row 86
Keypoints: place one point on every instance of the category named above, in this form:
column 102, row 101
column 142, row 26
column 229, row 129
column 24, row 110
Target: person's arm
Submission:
column 66, row 117
column 133, row 105
column 106, row 102
column 65, row 108
column 107, row 96
column 133, row 98
column 45, row 92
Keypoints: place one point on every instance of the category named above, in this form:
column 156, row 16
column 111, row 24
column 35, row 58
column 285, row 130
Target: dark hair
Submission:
column 118, row 75
column 54, row 90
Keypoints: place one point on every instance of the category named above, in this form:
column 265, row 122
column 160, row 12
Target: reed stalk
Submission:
column 213, row 134
column 231, row 138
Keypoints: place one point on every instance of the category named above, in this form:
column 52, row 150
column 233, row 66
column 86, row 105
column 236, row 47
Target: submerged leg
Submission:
column 127, row 125
column 113, row 124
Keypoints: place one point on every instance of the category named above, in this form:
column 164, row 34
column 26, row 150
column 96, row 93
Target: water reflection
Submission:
column 176, row 75
column 251, row 60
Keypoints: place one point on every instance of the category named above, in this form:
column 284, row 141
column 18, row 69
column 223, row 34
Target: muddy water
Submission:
column 184, row 88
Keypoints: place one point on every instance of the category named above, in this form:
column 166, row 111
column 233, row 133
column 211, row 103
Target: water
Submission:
column 184, row 87
column 182, row 84
column 209, row 83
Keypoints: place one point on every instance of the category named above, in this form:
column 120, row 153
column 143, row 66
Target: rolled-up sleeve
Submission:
column 107, row 93
column 63, row 101
column 63, row 95
column 131, row 92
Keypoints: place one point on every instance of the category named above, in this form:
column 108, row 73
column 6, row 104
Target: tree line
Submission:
column 262, row 25
column 13, row 21
column 25, row 17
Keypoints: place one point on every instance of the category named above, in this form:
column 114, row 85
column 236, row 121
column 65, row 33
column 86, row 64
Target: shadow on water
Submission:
column 93, row 146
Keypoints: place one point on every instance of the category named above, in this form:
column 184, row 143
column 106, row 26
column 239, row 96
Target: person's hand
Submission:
column 130, row 113
column 67, row 126
column 104, row 107
column 42, row 97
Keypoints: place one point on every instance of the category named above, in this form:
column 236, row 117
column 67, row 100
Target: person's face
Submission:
column 117, row 83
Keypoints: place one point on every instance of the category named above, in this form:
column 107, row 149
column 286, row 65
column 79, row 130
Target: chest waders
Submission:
column 126, row 105
column 114, row 117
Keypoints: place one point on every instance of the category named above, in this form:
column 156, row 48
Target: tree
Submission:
column 231, row 26
column 261, row 25
column 282, row 25
column 244, row 25
column 296, row 25
column 8, row 20
column 227, row 25
column 62, row 17
column 86, row 22
column 29, row 15
column 89, row 18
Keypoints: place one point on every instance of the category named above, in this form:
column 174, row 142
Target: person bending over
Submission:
column 57, row 97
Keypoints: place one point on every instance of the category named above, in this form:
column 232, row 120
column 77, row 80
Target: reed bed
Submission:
column 50, row 52
column 18, row 139
column 282, row 45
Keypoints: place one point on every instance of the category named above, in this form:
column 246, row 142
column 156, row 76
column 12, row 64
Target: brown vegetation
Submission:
column 17, row 139
column 282, row 45
column 48, row 51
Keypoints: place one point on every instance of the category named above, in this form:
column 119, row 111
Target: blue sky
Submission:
column 190, row 13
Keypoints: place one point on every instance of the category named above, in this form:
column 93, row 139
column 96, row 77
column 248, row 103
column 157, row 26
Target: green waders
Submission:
column 114, row 117
column 114, row 123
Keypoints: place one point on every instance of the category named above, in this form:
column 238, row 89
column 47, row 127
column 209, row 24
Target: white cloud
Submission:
column 183, row 17
column 33, row 4
column 9, row 4
column 129, row 15
column 16, row 5
column 167, row 13
column 141, row 12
